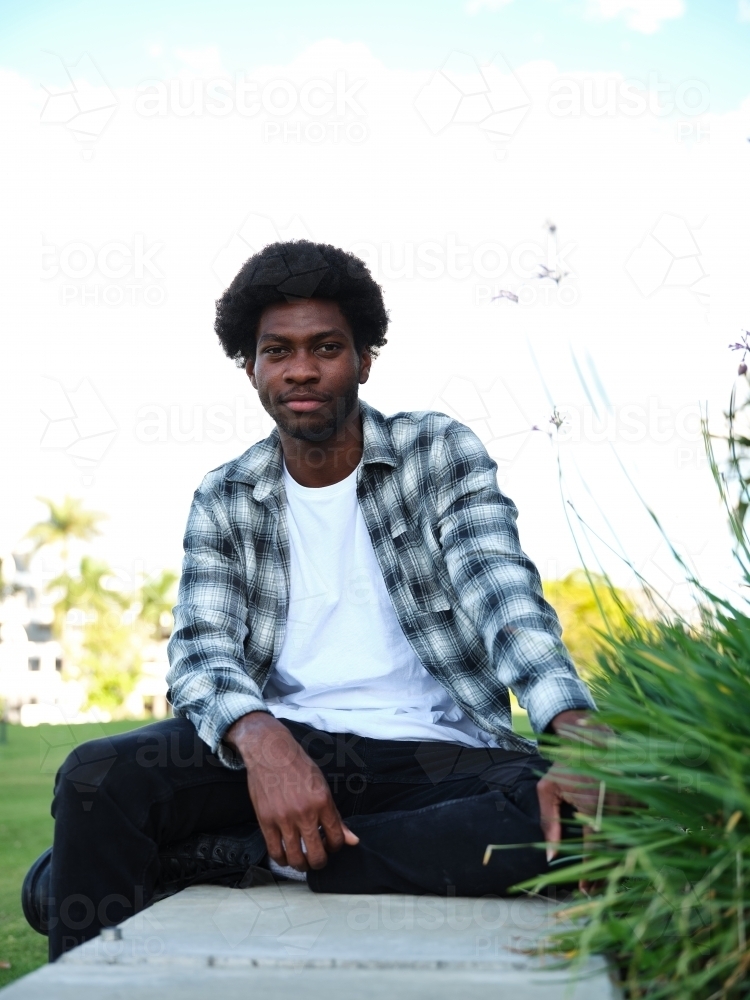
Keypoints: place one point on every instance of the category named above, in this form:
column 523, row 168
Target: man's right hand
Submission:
column 291, row 798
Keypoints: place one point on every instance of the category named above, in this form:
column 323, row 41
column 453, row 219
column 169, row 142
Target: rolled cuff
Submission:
column 212, row 726
column 552, row 694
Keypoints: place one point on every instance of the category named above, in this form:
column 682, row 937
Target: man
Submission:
column 353, row 608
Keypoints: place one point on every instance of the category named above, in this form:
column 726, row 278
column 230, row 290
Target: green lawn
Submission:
column 28, row 761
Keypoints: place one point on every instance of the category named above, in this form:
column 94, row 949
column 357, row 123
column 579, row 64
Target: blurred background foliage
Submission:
column 104, row 624
column 590, row 609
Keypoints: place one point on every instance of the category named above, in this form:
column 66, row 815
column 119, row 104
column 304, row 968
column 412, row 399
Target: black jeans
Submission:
column 424, row 813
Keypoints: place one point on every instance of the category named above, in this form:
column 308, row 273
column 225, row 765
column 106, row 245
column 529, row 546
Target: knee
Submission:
column 86, row 768
column 86, row 771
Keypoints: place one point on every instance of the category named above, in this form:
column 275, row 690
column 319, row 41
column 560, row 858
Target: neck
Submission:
column 323, row 463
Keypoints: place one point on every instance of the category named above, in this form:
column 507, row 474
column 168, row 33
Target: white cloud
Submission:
column 78, row 97
column 743, row 10
column 645, row 16
column 490, row 96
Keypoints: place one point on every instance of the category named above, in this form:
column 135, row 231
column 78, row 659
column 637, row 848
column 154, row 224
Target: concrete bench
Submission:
column 284, row 942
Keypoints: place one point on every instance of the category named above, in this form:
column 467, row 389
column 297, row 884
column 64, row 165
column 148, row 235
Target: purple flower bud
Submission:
column 742, row 370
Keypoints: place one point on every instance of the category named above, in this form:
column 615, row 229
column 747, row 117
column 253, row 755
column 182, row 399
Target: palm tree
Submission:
column 87, row 593
column 67, row 520
column 104, row 647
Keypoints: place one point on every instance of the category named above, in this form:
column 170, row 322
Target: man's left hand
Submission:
column 562, row 784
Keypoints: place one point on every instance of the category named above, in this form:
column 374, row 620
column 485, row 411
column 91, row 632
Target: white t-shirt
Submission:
column 345, row 665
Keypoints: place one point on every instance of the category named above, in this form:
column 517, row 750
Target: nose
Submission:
column 301, row 369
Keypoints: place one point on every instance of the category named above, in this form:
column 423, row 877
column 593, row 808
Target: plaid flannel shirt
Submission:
column 467, row 598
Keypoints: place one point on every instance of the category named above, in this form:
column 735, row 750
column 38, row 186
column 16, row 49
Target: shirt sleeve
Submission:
column 208, row 678
column 498, row 586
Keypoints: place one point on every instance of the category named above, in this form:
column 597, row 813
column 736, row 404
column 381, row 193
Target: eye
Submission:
column 329, row 348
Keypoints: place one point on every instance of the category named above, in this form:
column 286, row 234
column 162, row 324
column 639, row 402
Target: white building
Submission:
column 33, row 685
column 31, row 661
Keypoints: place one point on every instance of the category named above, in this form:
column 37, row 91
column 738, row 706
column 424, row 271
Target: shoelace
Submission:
column 198, row 856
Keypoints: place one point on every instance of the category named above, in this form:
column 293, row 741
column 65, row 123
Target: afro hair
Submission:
column 291, row 272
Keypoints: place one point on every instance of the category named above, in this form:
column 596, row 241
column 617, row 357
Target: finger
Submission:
column 314, row 849
column 552, row 835
column 333, row 827
column 548, row 795
column 274, row 844
column 293, row 849
column 350, row 838
column 337, row 833
column 549, row 817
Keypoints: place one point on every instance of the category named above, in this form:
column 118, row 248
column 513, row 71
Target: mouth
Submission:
column 303, row 404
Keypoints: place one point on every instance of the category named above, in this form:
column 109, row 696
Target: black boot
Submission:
column 233, row 858
column 35, row 892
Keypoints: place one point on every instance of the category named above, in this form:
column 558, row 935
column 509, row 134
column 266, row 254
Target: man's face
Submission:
column 306, row 367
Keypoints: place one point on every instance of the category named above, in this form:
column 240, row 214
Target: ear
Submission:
column 250, row 371
column 365, row 363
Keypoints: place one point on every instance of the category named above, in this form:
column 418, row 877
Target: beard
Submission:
column 318, row 426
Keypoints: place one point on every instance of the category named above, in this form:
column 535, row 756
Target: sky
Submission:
column 589, row 158
column 679, row 39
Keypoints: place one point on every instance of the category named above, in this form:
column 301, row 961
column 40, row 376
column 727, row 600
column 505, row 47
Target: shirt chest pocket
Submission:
column 417, row 570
